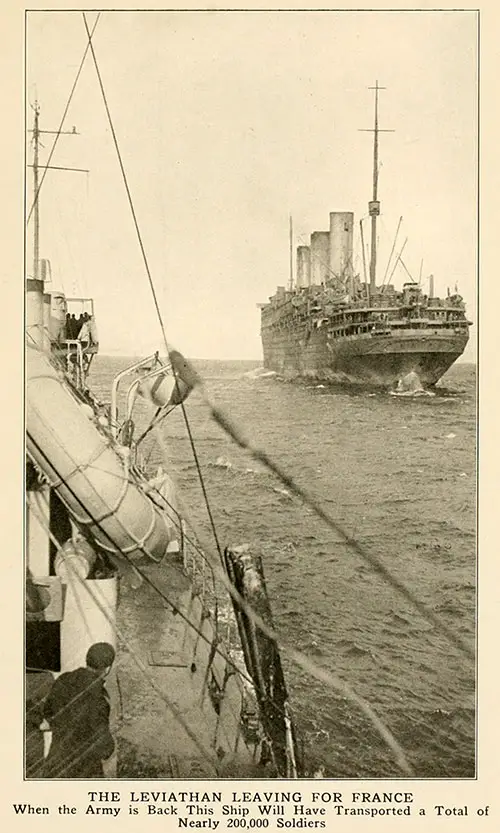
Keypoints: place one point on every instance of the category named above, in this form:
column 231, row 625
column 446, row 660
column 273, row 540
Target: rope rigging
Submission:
column 61, row 124
column 150, row 281
column 230, row 427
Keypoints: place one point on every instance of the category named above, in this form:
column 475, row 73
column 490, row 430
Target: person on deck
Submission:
column 88, row 334
column 74, row 327
column 77, row 710
column 84, row 335
column 94, row 336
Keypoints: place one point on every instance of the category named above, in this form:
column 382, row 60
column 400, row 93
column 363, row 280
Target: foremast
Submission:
column 37, row 183
column 36, row 209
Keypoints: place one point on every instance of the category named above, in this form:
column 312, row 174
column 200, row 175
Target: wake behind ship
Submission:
column 332, row 326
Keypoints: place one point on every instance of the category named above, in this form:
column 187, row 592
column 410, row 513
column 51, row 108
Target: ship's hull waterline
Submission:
column 371, row 360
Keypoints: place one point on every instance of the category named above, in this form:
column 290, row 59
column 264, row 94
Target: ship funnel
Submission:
column 320, row 256
column 431, row 286
column 341, row 245
column 303, row 266
column 34, row 311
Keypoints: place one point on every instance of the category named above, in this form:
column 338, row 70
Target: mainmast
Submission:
column 374, row 204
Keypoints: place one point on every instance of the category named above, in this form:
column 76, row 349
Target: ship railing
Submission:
column 77, row 361
column 142, row 363
column 251, row 661
column 212, row 641
column 134, row 387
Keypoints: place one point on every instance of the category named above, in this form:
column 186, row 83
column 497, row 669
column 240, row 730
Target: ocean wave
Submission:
column 412, row 394
column 405, row 500
column 260, row 373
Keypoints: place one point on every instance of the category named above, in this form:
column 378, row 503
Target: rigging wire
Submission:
column 59, row 130
column 391, row 252
column 230, row 427
column 236, row 433
column 150, row 280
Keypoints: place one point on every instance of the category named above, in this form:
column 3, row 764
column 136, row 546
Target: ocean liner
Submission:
column 332, row 326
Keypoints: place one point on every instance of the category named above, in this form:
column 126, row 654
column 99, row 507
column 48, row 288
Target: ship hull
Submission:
column 379, row 360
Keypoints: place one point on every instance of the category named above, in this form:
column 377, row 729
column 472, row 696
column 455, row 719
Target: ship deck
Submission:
column 151, row 742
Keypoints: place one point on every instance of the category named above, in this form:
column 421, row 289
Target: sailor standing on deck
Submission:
column 78, row 710
column 74, row 327
column 88, row 334
column 84, row 332
column 94, row 337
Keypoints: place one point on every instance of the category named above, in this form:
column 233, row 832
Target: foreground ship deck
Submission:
column 151, row 741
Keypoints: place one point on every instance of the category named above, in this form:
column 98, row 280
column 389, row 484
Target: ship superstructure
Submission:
column 331, row 325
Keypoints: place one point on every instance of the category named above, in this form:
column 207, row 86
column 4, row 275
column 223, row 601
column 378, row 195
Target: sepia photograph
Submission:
column 251, row 322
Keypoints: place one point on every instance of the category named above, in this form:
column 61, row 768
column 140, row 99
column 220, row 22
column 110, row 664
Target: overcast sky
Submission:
column 228, row 123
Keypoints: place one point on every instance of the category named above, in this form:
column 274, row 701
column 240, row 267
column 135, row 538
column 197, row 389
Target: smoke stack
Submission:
column 341, row 244
column 303, row 266
column 320, row 257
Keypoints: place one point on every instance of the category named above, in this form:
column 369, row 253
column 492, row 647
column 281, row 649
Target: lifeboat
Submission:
column 85, row 467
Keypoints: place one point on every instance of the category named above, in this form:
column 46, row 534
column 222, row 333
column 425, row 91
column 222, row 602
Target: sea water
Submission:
column 398, row 473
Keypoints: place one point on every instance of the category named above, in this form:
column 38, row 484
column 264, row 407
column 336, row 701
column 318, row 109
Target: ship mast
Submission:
column 374, row 204
column 37, row 183
column 36, row 209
